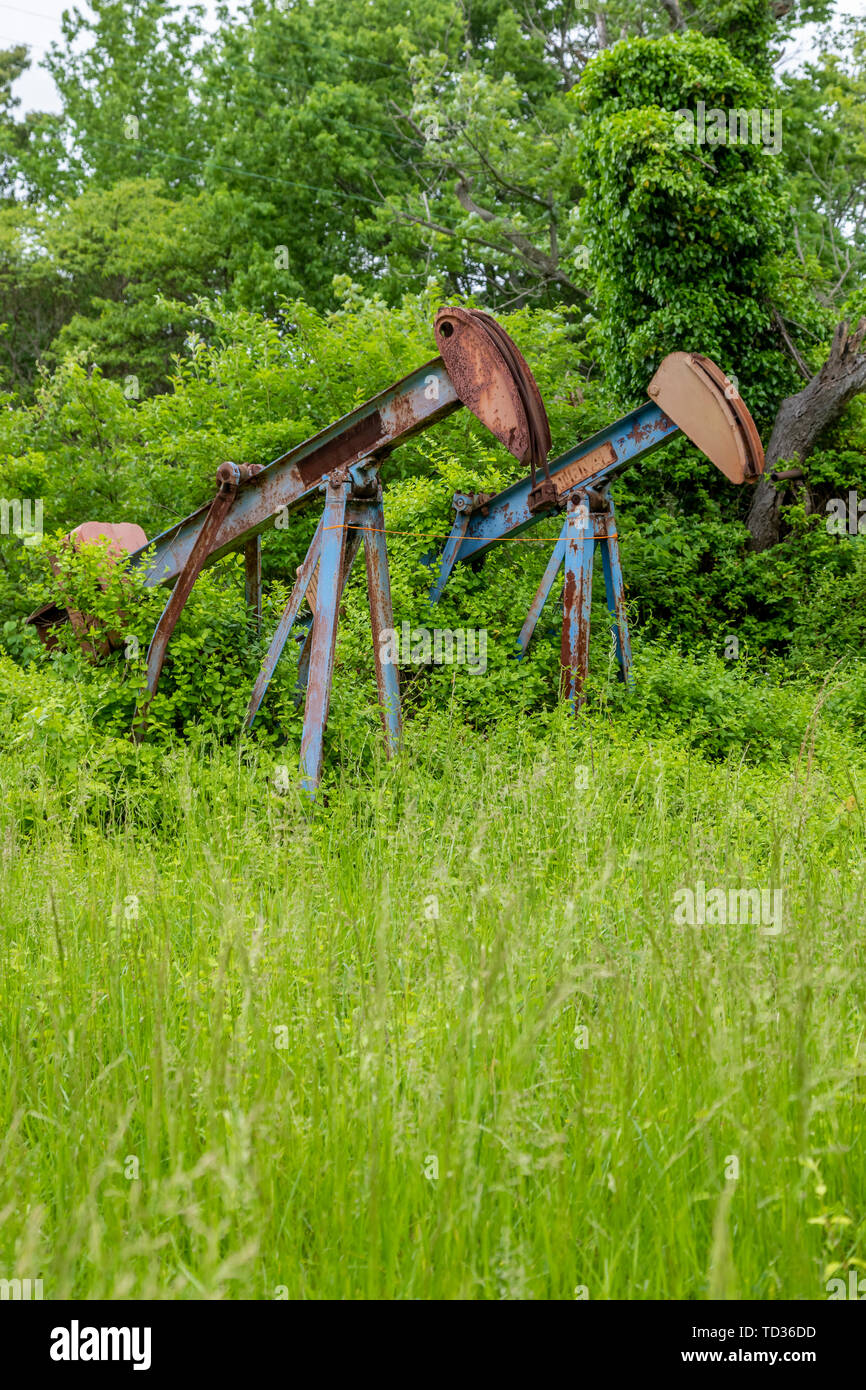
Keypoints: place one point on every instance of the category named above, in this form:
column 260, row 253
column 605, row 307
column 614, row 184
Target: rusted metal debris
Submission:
column 119, row 538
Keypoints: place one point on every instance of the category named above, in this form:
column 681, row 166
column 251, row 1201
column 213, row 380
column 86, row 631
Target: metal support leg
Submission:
column 382, row 620
column 329, row 588
column 229, row 477
column 330, row 556
column 284, row 627
column 449, row 554
column 615, row 591
column 542, row 593
column 253, row 579
column 304, row 667
column 576, row 598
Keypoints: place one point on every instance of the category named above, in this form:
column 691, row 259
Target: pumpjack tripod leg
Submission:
column 615, row 590
column 576, row 598
column 284, row 627
column 381, row 621
column 542, row 593
column 332, row 556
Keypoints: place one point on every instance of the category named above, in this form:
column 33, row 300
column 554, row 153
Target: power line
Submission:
column 219, row 66
column 236, row 169
column 391, row 133
column 22, row 43
column 354, row 57
column 31, row 14
column 209, row 164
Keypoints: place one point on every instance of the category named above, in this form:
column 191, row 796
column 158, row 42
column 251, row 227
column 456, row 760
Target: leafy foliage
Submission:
column 216, row 263
column 688, row 240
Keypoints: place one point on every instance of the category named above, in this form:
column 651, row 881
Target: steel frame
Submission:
column 590, row 522
column 481, row 524
column 353, row 511
column 581, row 480
column 479, row 368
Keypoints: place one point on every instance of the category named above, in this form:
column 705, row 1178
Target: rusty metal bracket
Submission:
column 229, row 477
column 543, row 496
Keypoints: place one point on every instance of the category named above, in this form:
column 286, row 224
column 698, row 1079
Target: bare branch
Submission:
column 500, row 178
column 538, row 260
column 800, row 364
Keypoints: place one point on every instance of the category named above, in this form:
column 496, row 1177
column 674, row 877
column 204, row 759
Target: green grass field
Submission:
column 444, row 1039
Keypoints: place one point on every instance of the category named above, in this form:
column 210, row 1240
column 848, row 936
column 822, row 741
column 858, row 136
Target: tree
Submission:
column 688, row 239
column 802, row 419
column 25, row 145
column 825, row 155
column 296, row 102
column 127, row 79
column 112, row 275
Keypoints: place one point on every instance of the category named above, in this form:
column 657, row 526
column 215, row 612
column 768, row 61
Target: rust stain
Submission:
column 590, row 463
column 493, row 380
column 639, row 434
column 351, row 444
column 574, row 660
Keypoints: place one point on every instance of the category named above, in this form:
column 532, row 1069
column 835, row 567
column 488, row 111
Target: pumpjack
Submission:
column 479, row 368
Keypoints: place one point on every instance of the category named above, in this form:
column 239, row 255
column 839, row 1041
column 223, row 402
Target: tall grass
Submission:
column 442, row 1039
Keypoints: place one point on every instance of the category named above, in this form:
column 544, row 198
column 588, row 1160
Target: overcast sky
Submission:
column 38, row 23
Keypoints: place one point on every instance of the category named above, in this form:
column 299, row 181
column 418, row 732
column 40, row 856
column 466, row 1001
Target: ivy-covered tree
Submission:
column 689, row 236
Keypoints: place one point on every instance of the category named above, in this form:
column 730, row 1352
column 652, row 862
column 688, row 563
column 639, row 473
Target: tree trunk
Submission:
column 674, row 14
column 802, row 419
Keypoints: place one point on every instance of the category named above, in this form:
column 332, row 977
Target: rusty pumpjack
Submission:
column 479, row 368
column 689, row 394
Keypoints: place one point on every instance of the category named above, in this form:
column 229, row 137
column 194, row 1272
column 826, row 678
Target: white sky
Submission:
column 37, row 23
